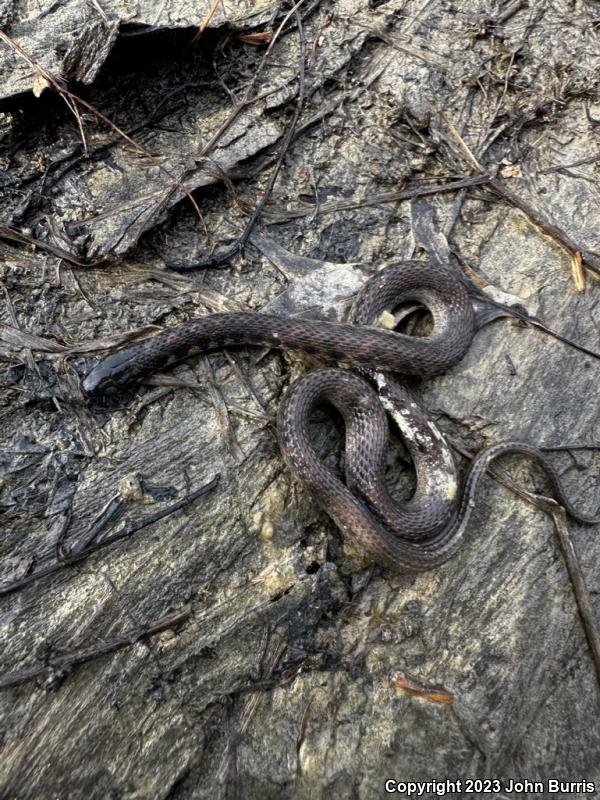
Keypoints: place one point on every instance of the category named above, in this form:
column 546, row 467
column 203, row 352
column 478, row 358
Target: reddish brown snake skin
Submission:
column 428, row 529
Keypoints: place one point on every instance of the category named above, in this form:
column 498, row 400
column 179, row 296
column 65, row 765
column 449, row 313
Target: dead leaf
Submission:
column 39, row 84
column 422, row 688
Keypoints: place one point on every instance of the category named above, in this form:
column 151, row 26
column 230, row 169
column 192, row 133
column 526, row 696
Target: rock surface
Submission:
column 283, row 677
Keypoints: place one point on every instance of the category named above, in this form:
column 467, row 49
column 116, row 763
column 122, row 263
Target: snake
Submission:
column 415, row 535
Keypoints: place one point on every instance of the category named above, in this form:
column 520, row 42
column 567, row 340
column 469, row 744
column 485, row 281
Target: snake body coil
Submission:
column 429, row 528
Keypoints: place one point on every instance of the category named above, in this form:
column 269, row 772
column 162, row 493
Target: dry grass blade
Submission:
column 123, row 533
column 60, row 666
column 73, row 100
column 6, row 232
column 460, row 148
column 205, row 22
column 580, row 590
column 578, row 272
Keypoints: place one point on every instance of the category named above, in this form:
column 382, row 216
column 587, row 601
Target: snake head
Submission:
column 113, row 371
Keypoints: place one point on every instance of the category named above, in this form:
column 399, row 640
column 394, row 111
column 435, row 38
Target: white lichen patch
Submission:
column 450, row 488
column 507, row 299
column 423, row 440
column 264, row 526
column 268, row 510
column 267, row 531
column 130, row 490
column 444, row 450
column 402, row 419
column 278, row 577
column 386, row 320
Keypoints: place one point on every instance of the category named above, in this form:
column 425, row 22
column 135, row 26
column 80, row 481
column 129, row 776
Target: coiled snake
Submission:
column 429, row 528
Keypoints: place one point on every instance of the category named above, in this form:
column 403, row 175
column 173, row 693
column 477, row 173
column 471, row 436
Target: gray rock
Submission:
column 284, row 677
